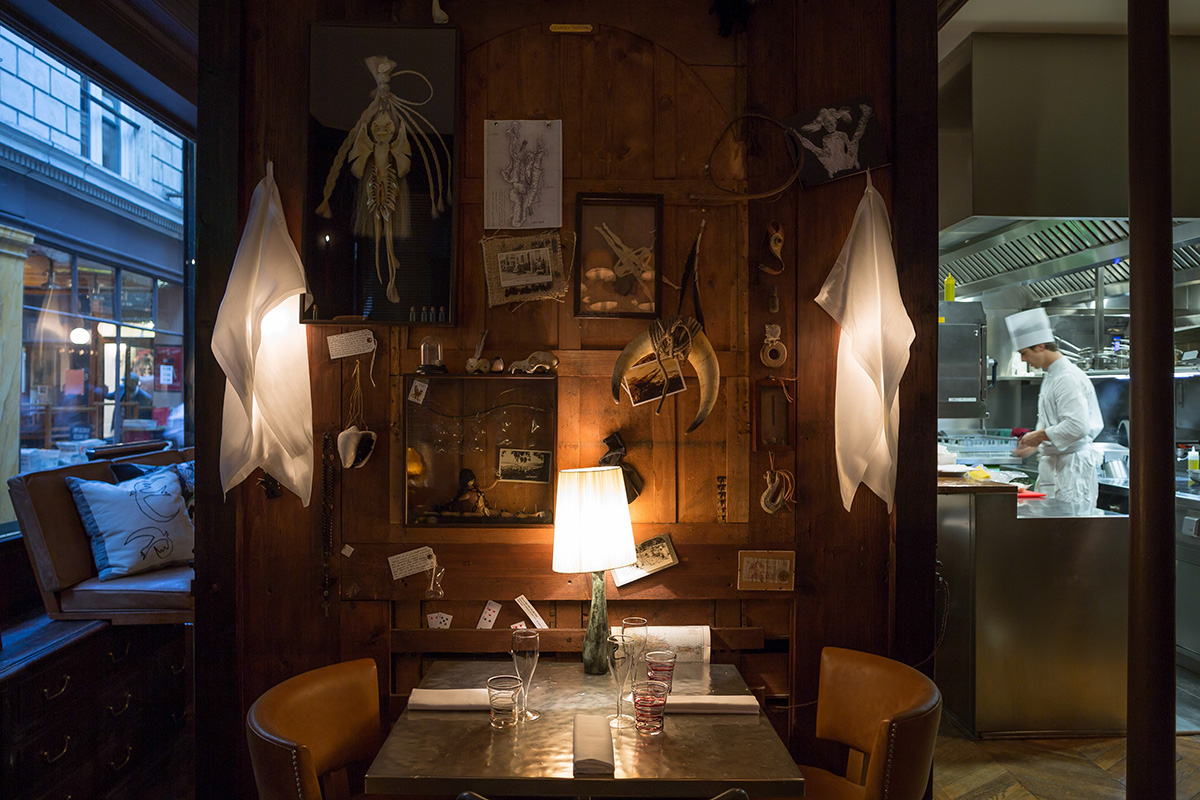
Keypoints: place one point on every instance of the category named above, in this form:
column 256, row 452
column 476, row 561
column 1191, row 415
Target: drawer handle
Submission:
column 119, row 659
column 128, row 755
column 49, row 759
column 177, row 670
column 113, row 709
column 46, row 693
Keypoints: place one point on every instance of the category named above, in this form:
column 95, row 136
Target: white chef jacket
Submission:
column 1070, row 415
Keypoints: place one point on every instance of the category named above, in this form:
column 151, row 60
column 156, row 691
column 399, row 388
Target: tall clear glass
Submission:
column 620, row 666
column 637, row 629
column 525, row 647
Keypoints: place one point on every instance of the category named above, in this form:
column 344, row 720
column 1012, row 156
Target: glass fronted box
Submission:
column 479, row 449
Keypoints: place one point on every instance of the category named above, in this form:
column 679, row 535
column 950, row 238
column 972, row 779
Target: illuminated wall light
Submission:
column 80, row 335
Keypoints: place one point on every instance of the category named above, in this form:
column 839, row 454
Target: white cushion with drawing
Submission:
column 137, row 525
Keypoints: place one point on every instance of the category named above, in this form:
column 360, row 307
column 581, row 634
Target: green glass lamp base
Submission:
column 595, row 641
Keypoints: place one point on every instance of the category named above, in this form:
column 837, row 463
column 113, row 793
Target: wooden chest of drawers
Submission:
column 87, row 708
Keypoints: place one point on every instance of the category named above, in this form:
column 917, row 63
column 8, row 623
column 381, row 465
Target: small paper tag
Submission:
column 347, row 551
column 410, row 563
column 351, row 344
column 488, row 618
column 438, row 619
column 416, row 393
column 518, row 625
column 531, row 612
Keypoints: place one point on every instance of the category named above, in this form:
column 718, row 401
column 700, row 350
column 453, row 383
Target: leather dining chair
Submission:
column 888, row 714
column 312, row 725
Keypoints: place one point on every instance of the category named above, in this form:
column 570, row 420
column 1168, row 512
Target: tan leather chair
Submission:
column 888, row 714
column 314, row 724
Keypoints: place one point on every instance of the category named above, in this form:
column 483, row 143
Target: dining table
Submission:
column 697, row 754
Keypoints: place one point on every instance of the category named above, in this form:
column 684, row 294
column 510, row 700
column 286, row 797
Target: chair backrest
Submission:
column 315, row 723
column 885, row 709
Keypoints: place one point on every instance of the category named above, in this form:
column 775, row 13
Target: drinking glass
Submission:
column 636, row 628
column 525, row 659
column 620, row 663
column 660, row 666
column 649, row 702
column 504, row 692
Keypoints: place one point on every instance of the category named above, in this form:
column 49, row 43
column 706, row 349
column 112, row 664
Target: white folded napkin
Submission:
column 712, row 704
column 593, row 745
column 448, row 700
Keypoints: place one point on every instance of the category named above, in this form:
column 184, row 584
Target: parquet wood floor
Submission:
column 1046, row 769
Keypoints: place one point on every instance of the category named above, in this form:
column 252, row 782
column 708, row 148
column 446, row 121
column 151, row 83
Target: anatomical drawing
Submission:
column 522, row 182
column 379, row 150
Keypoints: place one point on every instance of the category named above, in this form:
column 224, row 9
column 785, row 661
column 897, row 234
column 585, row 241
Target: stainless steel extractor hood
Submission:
column 1033, row 175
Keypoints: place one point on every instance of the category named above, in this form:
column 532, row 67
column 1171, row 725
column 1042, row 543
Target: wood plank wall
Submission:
column 642, row 99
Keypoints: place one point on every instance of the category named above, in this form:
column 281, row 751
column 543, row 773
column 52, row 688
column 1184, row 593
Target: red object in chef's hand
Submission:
column 1019, row 432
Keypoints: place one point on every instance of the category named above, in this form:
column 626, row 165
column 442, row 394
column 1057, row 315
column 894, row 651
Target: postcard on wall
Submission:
column 521, row 268
column 771, row 570
column 522, row 173
column 653, row 555
column 646, row 382
column 524, row 466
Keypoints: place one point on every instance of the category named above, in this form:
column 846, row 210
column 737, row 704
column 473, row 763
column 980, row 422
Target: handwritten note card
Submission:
column 410, row 563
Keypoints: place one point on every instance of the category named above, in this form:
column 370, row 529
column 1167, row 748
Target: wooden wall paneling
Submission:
column 482, row 570
column 737, row 451
column 571, row 106
column 701, row 454
column 475, row 109
column 569, row 410
column 405, row 671
column 366, row 489
column 658, row 471
column 705, row 99
column 618, row 135
column 364, row 632
column 666, row 104
column 474, row 315
column 599, row 417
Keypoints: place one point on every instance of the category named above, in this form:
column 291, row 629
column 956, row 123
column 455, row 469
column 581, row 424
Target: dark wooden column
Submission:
column 1151, row 698
column 219, row 733
column 914, row 231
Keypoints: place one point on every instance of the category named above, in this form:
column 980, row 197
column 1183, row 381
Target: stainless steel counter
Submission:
column 1035, row 641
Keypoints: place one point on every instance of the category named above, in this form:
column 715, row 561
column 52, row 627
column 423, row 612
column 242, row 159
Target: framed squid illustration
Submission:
column 379, row 211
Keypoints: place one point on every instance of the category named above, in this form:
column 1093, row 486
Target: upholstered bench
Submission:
column 61, row 552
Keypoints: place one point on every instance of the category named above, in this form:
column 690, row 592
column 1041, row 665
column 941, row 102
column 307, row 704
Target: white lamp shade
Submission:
column 592, row 530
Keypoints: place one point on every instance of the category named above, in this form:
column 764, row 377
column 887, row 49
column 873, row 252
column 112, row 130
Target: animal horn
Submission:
column 634, row 352
column 708, row 372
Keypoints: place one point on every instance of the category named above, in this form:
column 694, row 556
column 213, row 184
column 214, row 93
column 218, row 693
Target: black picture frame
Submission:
column 620, row 240
column 339, row 252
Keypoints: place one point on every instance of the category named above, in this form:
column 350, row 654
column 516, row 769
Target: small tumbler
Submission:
column 660, row 666
column 649, row 700
column 503, row 700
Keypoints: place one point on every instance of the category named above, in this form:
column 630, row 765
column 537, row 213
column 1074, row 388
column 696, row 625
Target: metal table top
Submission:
column 697, row 755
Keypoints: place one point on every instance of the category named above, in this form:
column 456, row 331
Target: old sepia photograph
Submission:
column 524, row 466
column 648, row 381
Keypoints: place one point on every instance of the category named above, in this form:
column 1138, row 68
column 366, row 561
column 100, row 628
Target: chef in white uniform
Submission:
column 1068, row 417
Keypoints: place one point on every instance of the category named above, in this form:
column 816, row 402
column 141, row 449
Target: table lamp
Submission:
column 593, row 533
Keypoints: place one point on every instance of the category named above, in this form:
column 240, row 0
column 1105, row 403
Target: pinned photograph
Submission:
column 521, row 268
column 653, row 555
column 647, row 381
column 524, row 466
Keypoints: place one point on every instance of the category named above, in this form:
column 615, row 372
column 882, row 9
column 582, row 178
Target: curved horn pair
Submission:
column 702, row 358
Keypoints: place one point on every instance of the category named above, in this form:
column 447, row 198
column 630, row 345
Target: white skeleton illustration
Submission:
column 523, row 173
column 379, row 147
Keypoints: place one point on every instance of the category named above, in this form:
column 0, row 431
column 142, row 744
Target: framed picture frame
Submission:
column 773, row 416
column 519, row 465
column 523, row 268
column 378, row 234
column 620, row 255
column 653, row 555
column 766, row 570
